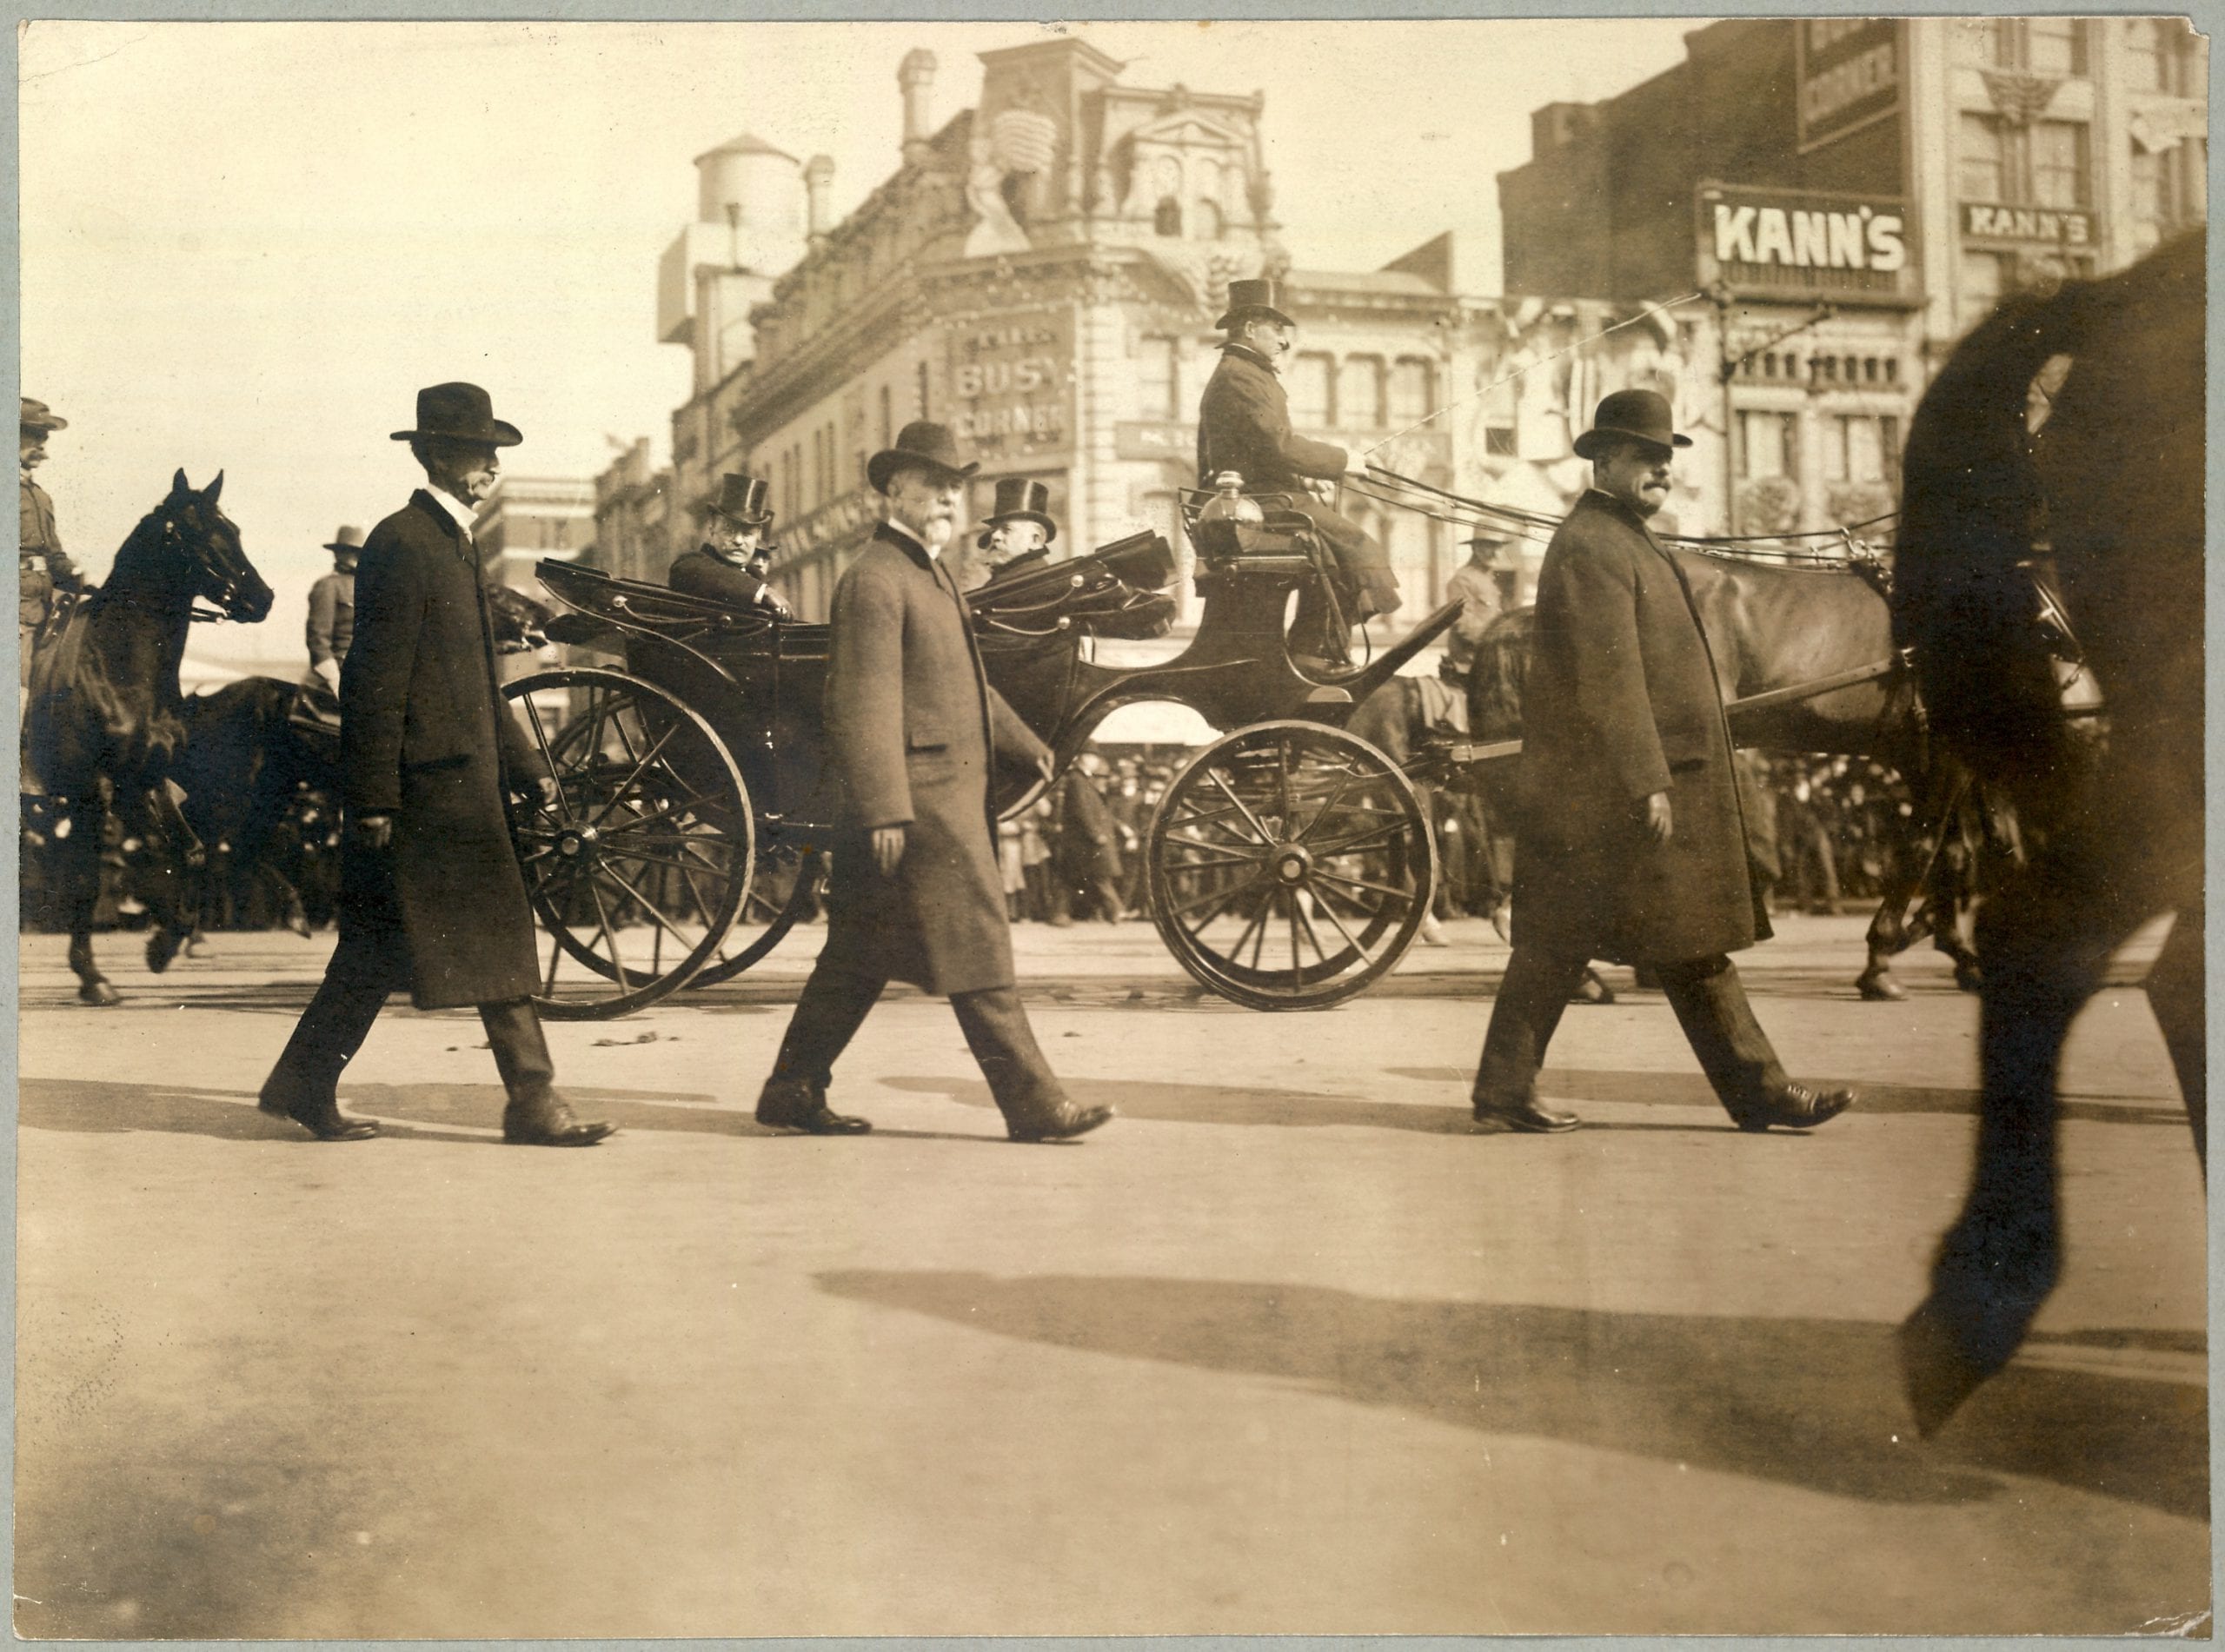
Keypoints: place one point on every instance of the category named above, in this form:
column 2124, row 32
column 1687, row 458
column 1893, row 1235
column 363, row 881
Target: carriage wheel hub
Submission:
column 576, row 841
column 1293, row 863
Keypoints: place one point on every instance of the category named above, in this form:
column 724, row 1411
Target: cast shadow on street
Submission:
column 1194, row 1104
column 1809, row 1402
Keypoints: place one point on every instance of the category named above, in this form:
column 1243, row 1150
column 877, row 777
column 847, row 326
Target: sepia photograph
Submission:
column 1341, row 827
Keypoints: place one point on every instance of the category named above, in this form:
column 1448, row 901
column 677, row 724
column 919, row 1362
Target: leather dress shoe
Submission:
column 1524, row 1113
column 1057, row 1123
column 1792, row 1107
column 544, row 1119
column 788, row 1104
column 320, row 1115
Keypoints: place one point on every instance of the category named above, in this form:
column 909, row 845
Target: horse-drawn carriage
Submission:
column 1290, row 863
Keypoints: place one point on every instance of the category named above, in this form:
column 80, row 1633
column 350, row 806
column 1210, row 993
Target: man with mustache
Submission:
column 727, row 567
column 1629, row 841
column 913, row 729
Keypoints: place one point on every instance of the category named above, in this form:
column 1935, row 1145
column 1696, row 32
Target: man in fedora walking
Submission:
column 1017, row 531
column 724, row 566
column 332, row 608
column 1629, row 843
column 432, row 901
column 912, row 729
column 1244, row 426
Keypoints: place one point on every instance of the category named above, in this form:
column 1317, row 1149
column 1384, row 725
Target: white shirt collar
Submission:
column 455, row 507
column 934, row 555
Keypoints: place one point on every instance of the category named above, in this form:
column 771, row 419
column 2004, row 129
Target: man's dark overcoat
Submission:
column 1622, row 701
column 1244, row 426
column 425, row 737
column 912, row 731
column 699, row 573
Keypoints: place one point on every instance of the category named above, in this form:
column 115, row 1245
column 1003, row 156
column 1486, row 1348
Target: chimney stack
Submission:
column 916, row 75
column 818, row 174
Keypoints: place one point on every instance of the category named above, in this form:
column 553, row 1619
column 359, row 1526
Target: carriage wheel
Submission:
column 1291, row 866
column 765, row 918
column 637, row 874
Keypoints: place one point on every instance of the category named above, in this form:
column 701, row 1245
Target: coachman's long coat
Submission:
column 1622, row 701
column 426, row 737
column 912, row 731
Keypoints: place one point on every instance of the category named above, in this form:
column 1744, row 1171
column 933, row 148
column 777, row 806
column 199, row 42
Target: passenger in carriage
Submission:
column 1019, row 530
column 731, row 563
column 1244, row 425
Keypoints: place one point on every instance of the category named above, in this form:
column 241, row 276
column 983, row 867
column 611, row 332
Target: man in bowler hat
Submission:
column 332, row 608
column 913, row 729
column 725, row 567
column 1628, row 842
column 432, row 900
column 1017, row 532
column 1244, row 426
column 43, row 565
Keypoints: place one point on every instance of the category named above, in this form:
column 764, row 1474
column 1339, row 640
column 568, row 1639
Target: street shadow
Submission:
column 1809, row 1402
column 1191, row 1104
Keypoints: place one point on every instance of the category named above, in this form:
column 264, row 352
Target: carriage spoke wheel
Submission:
column 1291, row 866
column 784, row 889
column 636, row 875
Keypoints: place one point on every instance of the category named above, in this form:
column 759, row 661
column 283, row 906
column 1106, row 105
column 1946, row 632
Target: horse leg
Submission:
column 2043, row 940
column 2174, row 992
column 77, row 869
column 1891, row 931
column 174, row 891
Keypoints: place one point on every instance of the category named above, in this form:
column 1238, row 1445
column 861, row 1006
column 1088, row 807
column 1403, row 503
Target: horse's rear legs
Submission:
column 77, row 867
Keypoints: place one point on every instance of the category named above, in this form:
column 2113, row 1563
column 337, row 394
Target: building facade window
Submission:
column 1313, row 404
column 922, row 392
column 1413, row 390
column 1499, row 441
column 1158, row 377
column 2060, row 167
column 1166, row 217
column 2054, row 46
column 1768, row 444
column 887, row 425
column 1862, row 447
column 1360, row 392
column 2046, row 163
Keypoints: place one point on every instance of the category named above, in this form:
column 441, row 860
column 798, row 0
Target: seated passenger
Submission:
column 731, row 563
column 1019, row 531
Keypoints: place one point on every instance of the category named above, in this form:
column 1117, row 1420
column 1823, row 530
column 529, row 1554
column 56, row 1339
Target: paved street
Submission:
column 1284, row 1349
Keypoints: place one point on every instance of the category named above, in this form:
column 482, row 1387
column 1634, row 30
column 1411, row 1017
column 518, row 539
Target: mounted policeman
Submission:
column 45, row 568
column 1244, row 426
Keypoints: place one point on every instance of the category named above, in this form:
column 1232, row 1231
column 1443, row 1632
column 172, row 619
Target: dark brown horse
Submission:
column 104, row 722
column 2111, row 487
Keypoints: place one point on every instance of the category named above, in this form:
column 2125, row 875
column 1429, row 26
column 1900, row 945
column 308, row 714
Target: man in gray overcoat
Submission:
column 913, row 728
column 1628, row 842
column 432, row 902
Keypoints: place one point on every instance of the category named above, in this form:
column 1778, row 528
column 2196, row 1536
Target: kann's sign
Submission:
column 1848, row 73
column 2051, row 226
column 1794, row 243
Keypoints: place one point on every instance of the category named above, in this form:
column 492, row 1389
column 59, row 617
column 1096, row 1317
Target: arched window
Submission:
column 1166, row 220
column 1209, row 222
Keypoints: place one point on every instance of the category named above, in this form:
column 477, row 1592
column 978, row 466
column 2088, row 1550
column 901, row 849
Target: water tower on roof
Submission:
column 750, row 230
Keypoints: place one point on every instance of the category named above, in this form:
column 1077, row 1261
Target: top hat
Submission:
column 918, row 443
column 1020, row 500
column 1633, row 416
column 346, row 539
column 1484, row 533
column 741, row 498
column 463, row 412
column 1250, row 298
column 38, row 416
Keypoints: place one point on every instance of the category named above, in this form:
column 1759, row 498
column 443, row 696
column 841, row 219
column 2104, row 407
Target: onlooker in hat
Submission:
column 730, row 564
column 1244, row 426
column 1019, row 530
column 432, row 901
column 1630, row 846
column 44, row 567
column 1474, row 582
column 911, row 729
column 332, row 608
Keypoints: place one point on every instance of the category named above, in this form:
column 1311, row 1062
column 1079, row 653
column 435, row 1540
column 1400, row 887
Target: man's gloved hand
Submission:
column 328, row 672
column 1324, row 491
column 887, row 849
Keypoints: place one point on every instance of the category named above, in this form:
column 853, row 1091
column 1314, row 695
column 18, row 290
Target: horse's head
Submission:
column 199, row 548
column 520, row 623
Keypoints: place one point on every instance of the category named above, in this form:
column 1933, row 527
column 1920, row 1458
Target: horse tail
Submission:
column 1972, row 512
column 1497, row 677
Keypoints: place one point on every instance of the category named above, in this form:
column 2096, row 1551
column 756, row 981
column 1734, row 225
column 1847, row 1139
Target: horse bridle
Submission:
column 228, row 591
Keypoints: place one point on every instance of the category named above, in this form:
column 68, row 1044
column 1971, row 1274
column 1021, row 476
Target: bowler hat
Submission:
column 918, row 443
column 463, row 412
column 1021, row 499
column 1247, row 298
column 1633, row 416
column 741, row 498
column 346, row 539
column 38, row 416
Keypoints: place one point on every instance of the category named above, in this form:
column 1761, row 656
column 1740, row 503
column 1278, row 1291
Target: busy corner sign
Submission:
column 1011, row 382
column 1848, row 73
column 1786, row 243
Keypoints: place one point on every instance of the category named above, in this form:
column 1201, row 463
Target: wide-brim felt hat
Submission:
column 1019, row 499
column 38, row 416
column 463, row 412
column 1631, row 415
column 741, row 498
column 922, row 443
column 345, row 539
column 1247, row 298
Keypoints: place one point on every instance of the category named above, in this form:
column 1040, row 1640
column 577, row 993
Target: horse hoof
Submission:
column 1879, row 987
column 99, row 993
column 162, row 947
column 1967, row 977
column 1937, row 1374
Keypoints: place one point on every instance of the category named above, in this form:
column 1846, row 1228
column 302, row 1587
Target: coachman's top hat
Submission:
column 38, row 416
column 1631, row 415
column 346, row 539
column 918, row 443
column 1248, row 298
column 1020, row 500
column 463, row 412
column 741, row 498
